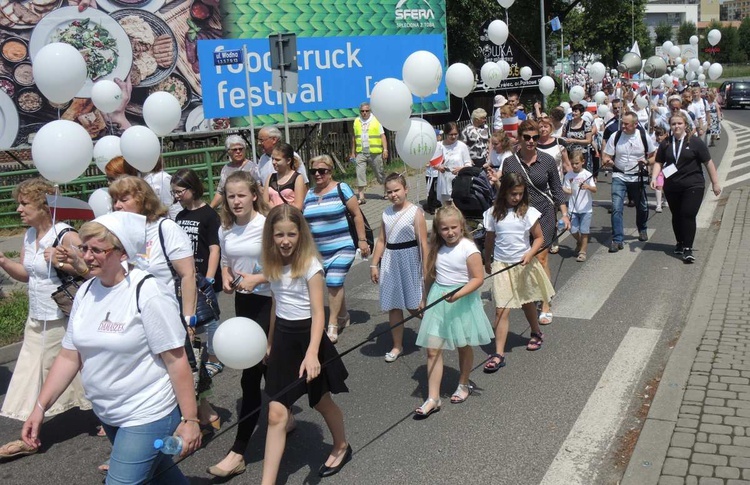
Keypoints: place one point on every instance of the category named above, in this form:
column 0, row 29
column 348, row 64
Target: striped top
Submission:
column 326, row 215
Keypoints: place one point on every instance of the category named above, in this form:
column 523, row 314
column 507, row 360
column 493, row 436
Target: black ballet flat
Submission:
column 329, row 471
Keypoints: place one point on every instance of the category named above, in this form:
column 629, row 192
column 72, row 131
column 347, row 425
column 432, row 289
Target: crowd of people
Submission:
column 283, row 246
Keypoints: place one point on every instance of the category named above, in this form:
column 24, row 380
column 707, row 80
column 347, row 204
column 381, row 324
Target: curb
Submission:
column 650, row 452
column 9, row 353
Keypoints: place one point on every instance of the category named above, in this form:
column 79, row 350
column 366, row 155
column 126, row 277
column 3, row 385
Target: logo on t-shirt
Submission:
column 107, row 326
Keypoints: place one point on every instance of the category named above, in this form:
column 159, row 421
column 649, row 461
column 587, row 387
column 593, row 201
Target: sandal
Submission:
column 423, row 413
column 545, row 318
column 554, row 249
column 491, row 366
column 15, row 449
column 456, row 396
column 581, row 257
column 213, row 368
column 344, row 322
column 536, row 341
column 333, row 333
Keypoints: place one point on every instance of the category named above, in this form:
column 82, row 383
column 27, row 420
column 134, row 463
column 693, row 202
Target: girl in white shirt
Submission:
column 454, row 268
column 297, row 339
column 509, row 223
column 455, row 157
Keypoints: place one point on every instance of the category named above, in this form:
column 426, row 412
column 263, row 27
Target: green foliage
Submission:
column 730, row 44
column 685, row 31
column 663, row 33
column 12, row 254
column 743, row 32
column 14, row 310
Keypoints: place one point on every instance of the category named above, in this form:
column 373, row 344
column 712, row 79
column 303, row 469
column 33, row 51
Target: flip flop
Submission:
column 581, row 257
column 545, row 318
column 21, row 449
column 491, row 367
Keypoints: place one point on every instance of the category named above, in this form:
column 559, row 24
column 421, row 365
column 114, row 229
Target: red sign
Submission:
column 712, row 50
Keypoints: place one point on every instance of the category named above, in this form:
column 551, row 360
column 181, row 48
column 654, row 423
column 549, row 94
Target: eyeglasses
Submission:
column 237, row 149
column 95, row 251
column 364, row 111
column 177, row 193
column 530, row 137
column 319, row 171
column 262, row 140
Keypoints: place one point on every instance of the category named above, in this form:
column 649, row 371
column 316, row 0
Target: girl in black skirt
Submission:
column 297, row 340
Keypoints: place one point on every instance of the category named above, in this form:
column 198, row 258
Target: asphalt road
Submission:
column 561, row 412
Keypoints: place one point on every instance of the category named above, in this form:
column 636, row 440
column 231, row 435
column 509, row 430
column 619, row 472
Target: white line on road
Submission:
column 597, row 425
column 710, row 201
column 589, row 288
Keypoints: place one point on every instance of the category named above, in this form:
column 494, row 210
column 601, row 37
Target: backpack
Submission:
column 472, row 192
column 644, row 140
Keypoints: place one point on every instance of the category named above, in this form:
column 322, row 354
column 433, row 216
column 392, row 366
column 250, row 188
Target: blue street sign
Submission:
column 227, row 58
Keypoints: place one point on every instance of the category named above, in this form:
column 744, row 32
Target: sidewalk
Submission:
column 698, row 428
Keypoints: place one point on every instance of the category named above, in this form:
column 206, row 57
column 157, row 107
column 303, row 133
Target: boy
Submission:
column 580, row 185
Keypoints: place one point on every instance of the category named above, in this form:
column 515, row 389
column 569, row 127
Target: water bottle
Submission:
column 560, row 225
column 263, row 287
column 169, row 445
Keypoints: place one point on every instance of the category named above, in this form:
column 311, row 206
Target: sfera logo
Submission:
column 414, row 13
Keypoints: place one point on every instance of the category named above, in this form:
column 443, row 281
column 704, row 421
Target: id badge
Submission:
column 669, row 170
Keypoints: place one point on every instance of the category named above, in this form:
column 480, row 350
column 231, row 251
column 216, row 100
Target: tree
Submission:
column 730, row 45
column 663, row 33
column 743, row 32
column 685, row 31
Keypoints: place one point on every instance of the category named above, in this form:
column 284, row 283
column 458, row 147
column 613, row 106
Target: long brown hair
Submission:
column 149, row 204
column 437, row 241
column 228, row 219
column 306, row 250
column 500, row 207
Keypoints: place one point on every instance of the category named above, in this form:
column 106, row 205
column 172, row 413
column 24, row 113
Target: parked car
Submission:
column 734, row 94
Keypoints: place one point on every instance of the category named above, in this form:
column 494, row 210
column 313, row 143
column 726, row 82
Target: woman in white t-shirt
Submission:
column 509, row 223
column 126, row 338
column 455, row 157
column 297, row 340
column 502, row 148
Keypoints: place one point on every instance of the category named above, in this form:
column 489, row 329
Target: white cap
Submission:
column 129, row 228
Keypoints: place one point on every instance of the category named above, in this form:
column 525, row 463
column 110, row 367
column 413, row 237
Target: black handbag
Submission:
column 66, row 292
column 206, row 305
column 369, row 236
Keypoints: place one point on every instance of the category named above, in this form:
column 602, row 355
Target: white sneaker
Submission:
column 658, row 208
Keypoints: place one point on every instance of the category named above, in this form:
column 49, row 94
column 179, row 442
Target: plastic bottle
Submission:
column 169, row 445
column 560, row 225
column 263, row 287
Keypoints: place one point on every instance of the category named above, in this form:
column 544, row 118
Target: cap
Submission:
column 500, row 101
column 129, row 228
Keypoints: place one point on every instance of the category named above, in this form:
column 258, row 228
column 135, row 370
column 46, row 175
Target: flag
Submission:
column 510, row 126
column 69, row 208
column 555, row 24
column 635, row 49
column 437, row 158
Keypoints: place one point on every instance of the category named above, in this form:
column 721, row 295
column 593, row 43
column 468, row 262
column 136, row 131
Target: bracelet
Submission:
column 374, row 266
column 82, row 273
column 185, row 420
column 190, row 320
column 211, row 280
column 40, row 406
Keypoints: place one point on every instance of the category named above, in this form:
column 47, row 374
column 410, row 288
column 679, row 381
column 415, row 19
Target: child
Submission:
column 660, row 134
column 459, row 321
column 297, row 340
column 399, row 248
column 509, row 223
column 431, row 175
column 285, row 185
column 579, row 184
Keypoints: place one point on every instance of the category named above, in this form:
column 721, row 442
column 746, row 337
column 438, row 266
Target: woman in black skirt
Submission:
column 298, row 342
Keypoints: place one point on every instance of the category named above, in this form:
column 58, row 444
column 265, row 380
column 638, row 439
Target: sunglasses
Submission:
column 530, row 137
column 319, row 171
column 95, row 251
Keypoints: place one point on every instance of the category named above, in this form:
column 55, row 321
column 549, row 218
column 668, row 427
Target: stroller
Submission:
column 473, row 194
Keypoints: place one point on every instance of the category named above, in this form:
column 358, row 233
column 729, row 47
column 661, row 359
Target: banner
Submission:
column 152, row 45
column 515, row 55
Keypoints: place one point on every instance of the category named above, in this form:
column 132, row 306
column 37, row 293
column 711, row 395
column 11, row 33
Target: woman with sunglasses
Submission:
column 325, row 209
column 540, row 171
column 236, row 148
column 455, row 157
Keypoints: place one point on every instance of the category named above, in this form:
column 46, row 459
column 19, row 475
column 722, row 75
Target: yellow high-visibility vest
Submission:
column 373, row 133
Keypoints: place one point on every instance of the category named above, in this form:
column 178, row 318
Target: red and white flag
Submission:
column 69, row 208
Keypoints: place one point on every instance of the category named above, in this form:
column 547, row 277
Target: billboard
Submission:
column 152, row 45
column 515, row 55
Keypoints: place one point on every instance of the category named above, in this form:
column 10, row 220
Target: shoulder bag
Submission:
column 66, row 292
column 370, row 238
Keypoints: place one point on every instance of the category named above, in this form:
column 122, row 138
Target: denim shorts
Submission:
column 580, row 222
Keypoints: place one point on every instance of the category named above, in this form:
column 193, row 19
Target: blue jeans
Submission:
column 635, row 191
column 134, row 459
column 210, row 329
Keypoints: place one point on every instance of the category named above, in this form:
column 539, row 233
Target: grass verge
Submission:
column 14, row 309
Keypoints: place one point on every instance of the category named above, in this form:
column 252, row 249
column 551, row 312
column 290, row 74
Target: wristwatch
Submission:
column 190, row 320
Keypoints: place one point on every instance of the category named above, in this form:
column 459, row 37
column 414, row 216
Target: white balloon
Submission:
column 674, row 51
column 546, row 85
column 690, row 76
column 100, row 202
column 525, row 73
column 597, row 72
column 105, row 150
column 506, row 3
column 162, row 112
column 576, row 94
column 694, row 64
column 497, row 31
column 504, row 67
column 641, row 101
column 706, row 65
column 667, row 45
column 565, row 105
column 240, row 343
column 460, row 79
column 714, row 71
column 140, row 148
column 600, row 97
column 678, row 60
column 106, row 95
column 714, row 36
column 422, row 73
column 416, row 143
column 62, row 151
column 700, row 70
column 701, row 78
column 391, row 102
column 694, row 40
column 602, row 110
column 59, row 71
column 678, row 73
column 491, row 74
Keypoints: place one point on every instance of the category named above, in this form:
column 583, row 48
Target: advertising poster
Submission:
column 514, row 54
column 152, row 45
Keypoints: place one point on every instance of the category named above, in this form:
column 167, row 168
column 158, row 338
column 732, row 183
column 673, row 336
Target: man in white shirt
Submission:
column 268, row 138
column 675, row 104
column 699, row 107
column 628, row 152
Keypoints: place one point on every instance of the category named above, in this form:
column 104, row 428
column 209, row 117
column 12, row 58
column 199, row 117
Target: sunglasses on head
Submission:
column 321, row 171
column 530, row 137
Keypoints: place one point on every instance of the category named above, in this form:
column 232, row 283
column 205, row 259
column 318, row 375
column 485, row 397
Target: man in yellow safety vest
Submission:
column 369, row 145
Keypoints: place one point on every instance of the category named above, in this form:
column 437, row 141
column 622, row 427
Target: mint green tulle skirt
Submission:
column 458, row 324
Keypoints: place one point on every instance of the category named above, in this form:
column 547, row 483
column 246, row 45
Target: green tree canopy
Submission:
column 744, row 36
column 685, row 31
column 663, row 33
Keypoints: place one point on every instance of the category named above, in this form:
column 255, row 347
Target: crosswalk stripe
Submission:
column 596, row 427
column 589, row 288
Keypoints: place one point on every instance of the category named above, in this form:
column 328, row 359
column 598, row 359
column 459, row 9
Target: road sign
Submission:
column 228, row 58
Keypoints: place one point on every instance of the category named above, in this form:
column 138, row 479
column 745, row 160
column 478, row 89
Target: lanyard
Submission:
column 675, row 152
